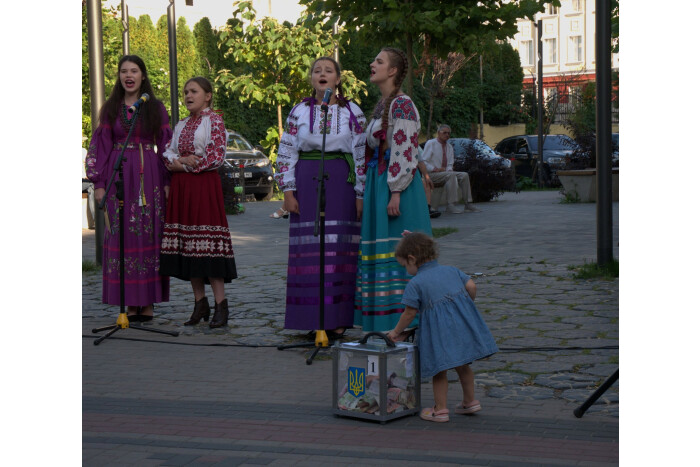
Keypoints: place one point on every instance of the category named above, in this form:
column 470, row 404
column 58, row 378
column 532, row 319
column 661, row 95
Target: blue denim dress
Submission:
column 451, row 330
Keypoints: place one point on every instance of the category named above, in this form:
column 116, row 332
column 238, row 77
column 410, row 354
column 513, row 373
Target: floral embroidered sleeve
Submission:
column 404, row 143
column 358, row 150
column 215, row 150
column 288, row 154
column 97, row 160
column 164, row 136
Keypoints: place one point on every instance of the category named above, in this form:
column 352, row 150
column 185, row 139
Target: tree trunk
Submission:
column 409, row 55
column 430, row 116
column 279, row 120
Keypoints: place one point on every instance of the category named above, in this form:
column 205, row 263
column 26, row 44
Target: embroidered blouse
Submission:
column 108, row 136
column 432, row 155
column 304, row 133
column 204, row 136
column 402, row 139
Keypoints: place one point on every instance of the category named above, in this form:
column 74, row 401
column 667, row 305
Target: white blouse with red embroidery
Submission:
column 203, row 136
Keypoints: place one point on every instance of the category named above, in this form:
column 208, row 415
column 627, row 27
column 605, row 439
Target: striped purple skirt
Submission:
column 342, row 238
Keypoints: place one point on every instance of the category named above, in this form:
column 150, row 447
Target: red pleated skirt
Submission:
column 196, row 239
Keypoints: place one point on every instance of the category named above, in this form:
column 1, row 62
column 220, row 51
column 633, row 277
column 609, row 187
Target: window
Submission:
column 552, row 10
column 527, row 52
column 575, row 49
column 550, row 51
column 577, row 5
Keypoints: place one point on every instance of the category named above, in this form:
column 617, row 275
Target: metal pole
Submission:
column 540, row 106
column 603, row 123
column 336, row 55
column 172, row 48
column 481, row 100
column 125, row 26
column 97, row 95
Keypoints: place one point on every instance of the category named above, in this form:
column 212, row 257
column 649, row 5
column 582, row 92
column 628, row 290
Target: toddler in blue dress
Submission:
column 451, row 333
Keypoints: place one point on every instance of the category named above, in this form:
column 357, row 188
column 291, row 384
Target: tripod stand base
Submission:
column 123, row 323
column 579, row 411
column 320, row 342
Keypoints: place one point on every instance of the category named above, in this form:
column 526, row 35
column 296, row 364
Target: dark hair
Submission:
column 398, row 60
column 149, row 115
column 342, row 101
column 204, row 84
column 419, row 245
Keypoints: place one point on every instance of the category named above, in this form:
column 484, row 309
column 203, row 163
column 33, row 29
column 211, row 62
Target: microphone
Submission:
column 144, row 98
column 327, row 97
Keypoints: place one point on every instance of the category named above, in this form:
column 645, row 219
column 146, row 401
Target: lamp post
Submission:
column 172, row 50
column 97, row 94
column 540, row 107
column 603, row 128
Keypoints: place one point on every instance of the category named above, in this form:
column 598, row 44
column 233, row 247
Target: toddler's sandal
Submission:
column 432, row 415
column 472, row 407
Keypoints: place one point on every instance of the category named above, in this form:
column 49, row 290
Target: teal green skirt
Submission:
column 381, row 280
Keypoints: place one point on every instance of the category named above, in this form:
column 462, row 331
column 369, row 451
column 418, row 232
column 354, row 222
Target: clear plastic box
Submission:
column 376, row 379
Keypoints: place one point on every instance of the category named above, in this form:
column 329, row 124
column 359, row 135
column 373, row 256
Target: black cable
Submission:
column 501, row 349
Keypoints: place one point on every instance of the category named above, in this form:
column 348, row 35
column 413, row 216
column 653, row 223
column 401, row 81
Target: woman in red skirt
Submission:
column 196, row 242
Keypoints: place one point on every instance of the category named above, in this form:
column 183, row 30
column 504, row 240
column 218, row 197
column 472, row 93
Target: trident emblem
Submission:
column 356, row 381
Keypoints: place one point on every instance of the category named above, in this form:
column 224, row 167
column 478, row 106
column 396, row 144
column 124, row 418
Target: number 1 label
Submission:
column 373, row 365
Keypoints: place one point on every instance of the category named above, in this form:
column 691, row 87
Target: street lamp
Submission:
column 172, row 49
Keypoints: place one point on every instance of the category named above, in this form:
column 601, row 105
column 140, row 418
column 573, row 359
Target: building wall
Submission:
column 575, row 18
column 494, row 134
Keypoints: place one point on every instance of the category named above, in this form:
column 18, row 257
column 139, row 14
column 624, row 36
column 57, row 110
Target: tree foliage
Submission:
column 452, row 25
column 273, row 61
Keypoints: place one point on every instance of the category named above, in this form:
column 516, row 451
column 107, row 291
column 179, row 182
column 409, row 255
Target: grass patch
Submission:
column 570, row 198
column 609, row 271
column 90, row 267
column 442, row 231
column 527, row 184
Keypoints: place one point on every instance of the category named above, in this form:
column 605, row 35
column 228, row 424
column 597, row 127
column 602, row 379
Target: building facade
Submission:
column 568, row 51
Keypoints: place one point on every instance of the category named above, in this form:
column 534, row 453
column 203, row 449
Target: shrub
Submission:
column 489, row 177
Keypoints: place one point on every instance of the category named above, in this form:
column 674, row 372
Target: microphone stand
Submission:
column 122, row 320
column 319, row 231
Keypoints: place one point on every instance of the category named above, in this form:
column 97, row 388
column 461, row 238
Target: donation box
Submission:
column 376, row 379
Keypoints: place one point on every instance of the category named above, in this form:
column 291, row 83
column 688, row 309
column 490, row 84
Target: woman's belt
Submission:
column 347, row 157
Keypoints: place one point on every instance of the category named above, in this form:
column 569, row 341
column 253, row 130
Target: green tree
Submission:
column 452, row 25
column 274, row 60
column 206, row 43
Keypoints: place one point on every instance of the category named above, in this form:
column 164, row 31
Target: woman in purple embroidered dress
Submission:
column 146, row 181
column 297, row 169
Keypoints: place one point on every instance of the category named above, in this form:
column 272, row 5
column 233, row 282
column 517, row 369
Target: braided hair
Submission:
column 397, row 59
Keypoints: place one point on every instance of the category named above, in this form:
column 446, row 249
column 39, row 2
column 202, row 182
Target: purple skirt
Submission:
column 342, row 238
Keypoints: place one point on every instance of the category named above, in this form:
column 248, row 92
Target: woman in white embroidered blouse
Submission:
column 394, row 198
column 197, row 242
column 297, row 169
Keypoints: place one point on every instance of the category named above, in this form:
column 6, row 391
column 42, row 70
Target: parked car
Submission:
column 462, row 146
column 257, row 169
column 523, row 151
column 615, row 149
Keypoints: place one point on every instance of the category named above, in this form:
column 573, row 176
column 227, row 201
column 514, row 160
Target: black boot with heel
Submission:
column 202, row 310
column 220, row 315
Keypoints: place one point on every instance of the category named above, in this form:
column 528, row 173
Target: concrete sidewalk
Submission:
column 229, row 397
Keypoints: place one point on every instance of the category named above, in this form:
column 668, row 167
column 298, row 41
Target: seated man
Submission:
column 439, row 158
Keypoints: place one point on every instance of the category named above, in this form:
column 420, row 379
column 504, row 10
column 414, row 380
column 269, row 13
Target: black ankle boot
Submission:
column 220, row 315
column 202, row 310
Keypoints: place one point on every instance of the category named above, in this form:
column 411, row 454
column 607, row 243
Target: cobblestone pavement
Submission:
column 558, row 338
